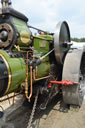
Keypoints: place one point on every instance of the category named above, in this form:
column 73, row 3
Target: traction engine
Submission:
column 45, row 61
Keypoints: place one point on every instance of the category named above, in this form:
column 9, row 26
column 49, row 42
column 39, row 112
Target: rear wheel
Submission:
column 74, row 71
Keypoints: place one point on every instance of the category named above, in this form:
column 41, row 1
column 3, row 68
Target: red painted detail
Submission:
column 64, row 82
column 49, row 85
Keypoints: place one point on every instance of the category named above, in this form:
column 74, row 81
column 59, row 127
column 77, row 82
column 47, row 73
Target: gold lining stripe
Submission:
column 9, row 73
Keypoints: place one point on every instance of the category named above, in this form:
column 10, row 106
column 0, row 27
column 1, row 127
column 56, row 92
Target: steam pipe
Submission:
column 35, row 79
column 26, row 82
column 38, row 29
column 41, row 38
column 37, row 62
column 36, row 71
column 26, row 87
column 34, row 75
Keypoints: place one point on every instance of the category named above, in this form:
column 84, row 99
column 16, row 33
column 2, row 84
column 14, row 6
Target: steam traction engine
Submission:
column 45, row 63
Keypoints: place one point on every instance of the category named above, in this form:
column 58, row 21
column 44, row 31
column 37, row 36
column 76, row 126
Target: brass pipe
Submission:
column 35, row 79
column 26, row 87
column 26, row 81
column 30, row 83
column 36, row 71
column 13, row 99
column 8, row 99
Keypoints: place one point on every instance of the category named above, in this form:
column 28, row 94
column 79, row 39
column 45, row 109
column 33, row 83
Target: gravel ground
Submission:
column 72, row 118
column 57, row 115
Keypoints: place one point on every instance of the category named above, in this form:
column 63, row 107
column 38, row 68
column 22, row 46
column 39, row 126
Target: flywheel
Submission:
column 61, row 40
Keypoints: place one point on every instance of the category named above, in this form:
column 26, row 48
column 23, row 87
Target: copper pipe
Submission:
column 13, row 99
column 35, row 79
column 26, row 86
column 8, row 99
column 36, row 71
column 26, row 90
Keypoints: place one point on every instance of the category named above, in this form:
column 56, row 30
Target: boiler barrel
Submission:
column 13, row 72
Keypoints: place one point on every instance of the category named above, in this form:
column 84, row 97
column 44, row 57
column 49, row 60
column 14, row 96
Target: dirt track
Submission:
column 57, row 115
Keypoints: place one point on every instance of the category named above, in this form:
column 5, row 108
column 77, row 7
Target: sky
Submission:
column 45, row 14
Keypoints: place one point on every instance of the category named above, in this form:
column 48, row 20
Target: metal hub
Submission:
column 6, row 35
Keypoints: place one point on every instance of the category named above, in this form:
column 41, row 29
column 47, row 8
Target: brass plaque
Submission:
column 25, row 36
column 42, row 44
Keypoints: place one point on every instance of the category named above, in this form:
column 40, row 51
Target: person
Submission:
column 41, row 32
